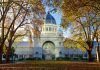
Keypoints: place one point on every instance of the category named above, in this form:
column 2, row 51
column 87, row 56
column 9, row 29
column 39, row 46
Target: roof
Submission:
column 50, row 19
column 23, row 44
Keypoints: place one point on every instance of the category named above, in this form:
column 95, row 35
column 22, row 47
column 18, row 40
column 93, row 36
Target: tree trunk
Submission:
column 0, row 54
column 8, row 53
column 98, row 54
column 90, row 45
column 98, row 49
column 90, row 56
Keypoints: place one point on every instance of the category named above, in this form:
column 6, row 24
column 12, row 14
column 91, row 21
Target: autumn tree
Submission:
column 10, row 24
column 83, row 15
column 70, row 43
column 98, row 47
column 15, row 15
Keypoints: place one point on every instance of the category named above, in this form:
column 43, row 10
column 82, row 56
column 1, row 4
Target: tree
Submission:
column 84, row 17
column 70, row 43
column 98, row 47
column 13, row 16
column 10, row 24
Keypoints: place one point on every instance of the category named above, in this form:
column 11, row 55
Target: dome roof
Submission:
column 50, row 19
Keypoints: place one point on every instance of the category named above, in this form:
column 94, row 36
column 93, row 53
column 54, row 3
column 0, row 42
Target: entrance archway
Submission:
column 48, row 50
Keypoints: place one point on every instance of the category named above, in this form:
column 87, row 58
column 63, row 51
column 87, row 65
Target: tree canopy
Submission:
column 84, row 17
column 14, row 16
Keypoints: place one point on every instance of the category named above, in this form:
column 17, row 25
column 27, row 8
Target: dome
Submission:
column 50, row 19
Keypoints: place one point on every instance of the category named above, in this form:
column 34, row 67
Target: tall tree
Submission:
column 13, row 16
column 84, row 17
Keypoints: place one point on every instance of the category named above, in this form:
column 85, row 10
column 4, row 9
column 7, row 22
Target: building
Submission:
column 48, row 46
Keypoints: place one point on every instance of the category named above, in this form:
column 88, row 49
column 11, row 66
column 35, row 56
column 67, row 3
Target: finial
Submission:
column 48, row 12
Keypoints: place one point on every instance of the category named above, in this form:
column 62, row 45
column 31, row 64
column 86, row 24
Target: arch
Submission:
column 47, row 42
column 48, row 50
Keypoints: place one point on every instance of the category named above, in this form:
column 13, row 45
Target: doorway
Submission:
column 48, row 50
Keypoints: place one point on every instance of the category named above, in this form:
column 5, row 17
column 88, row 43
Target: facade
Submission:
column 48, row 46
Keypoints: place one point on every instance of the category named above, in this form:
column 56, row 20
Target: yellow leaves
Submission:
column 37, row 6
column 4, row 49
column 38, row 21
column 19, row 38
column 57, row 3
column 37, row 27
column 72, row 18
column 30, row 38
column 64, row 23
column 80, row 47
column 78, row 7
column 33, row 1
column 82, row 42
column 75, row 10
column 68, row 43
column 36, row 33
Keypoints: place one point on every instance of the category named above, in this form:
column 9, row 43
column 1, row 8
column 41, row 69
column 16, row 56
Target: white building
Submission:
column 49, row 46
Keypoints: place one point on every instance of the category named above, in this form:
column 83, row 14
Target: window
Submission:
column 30, row 56
column 60, row 52
column 20, row 56
column 59, row 43
column 46, row 28
column 36, row 52
column 50, row 29
column 59, row 34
